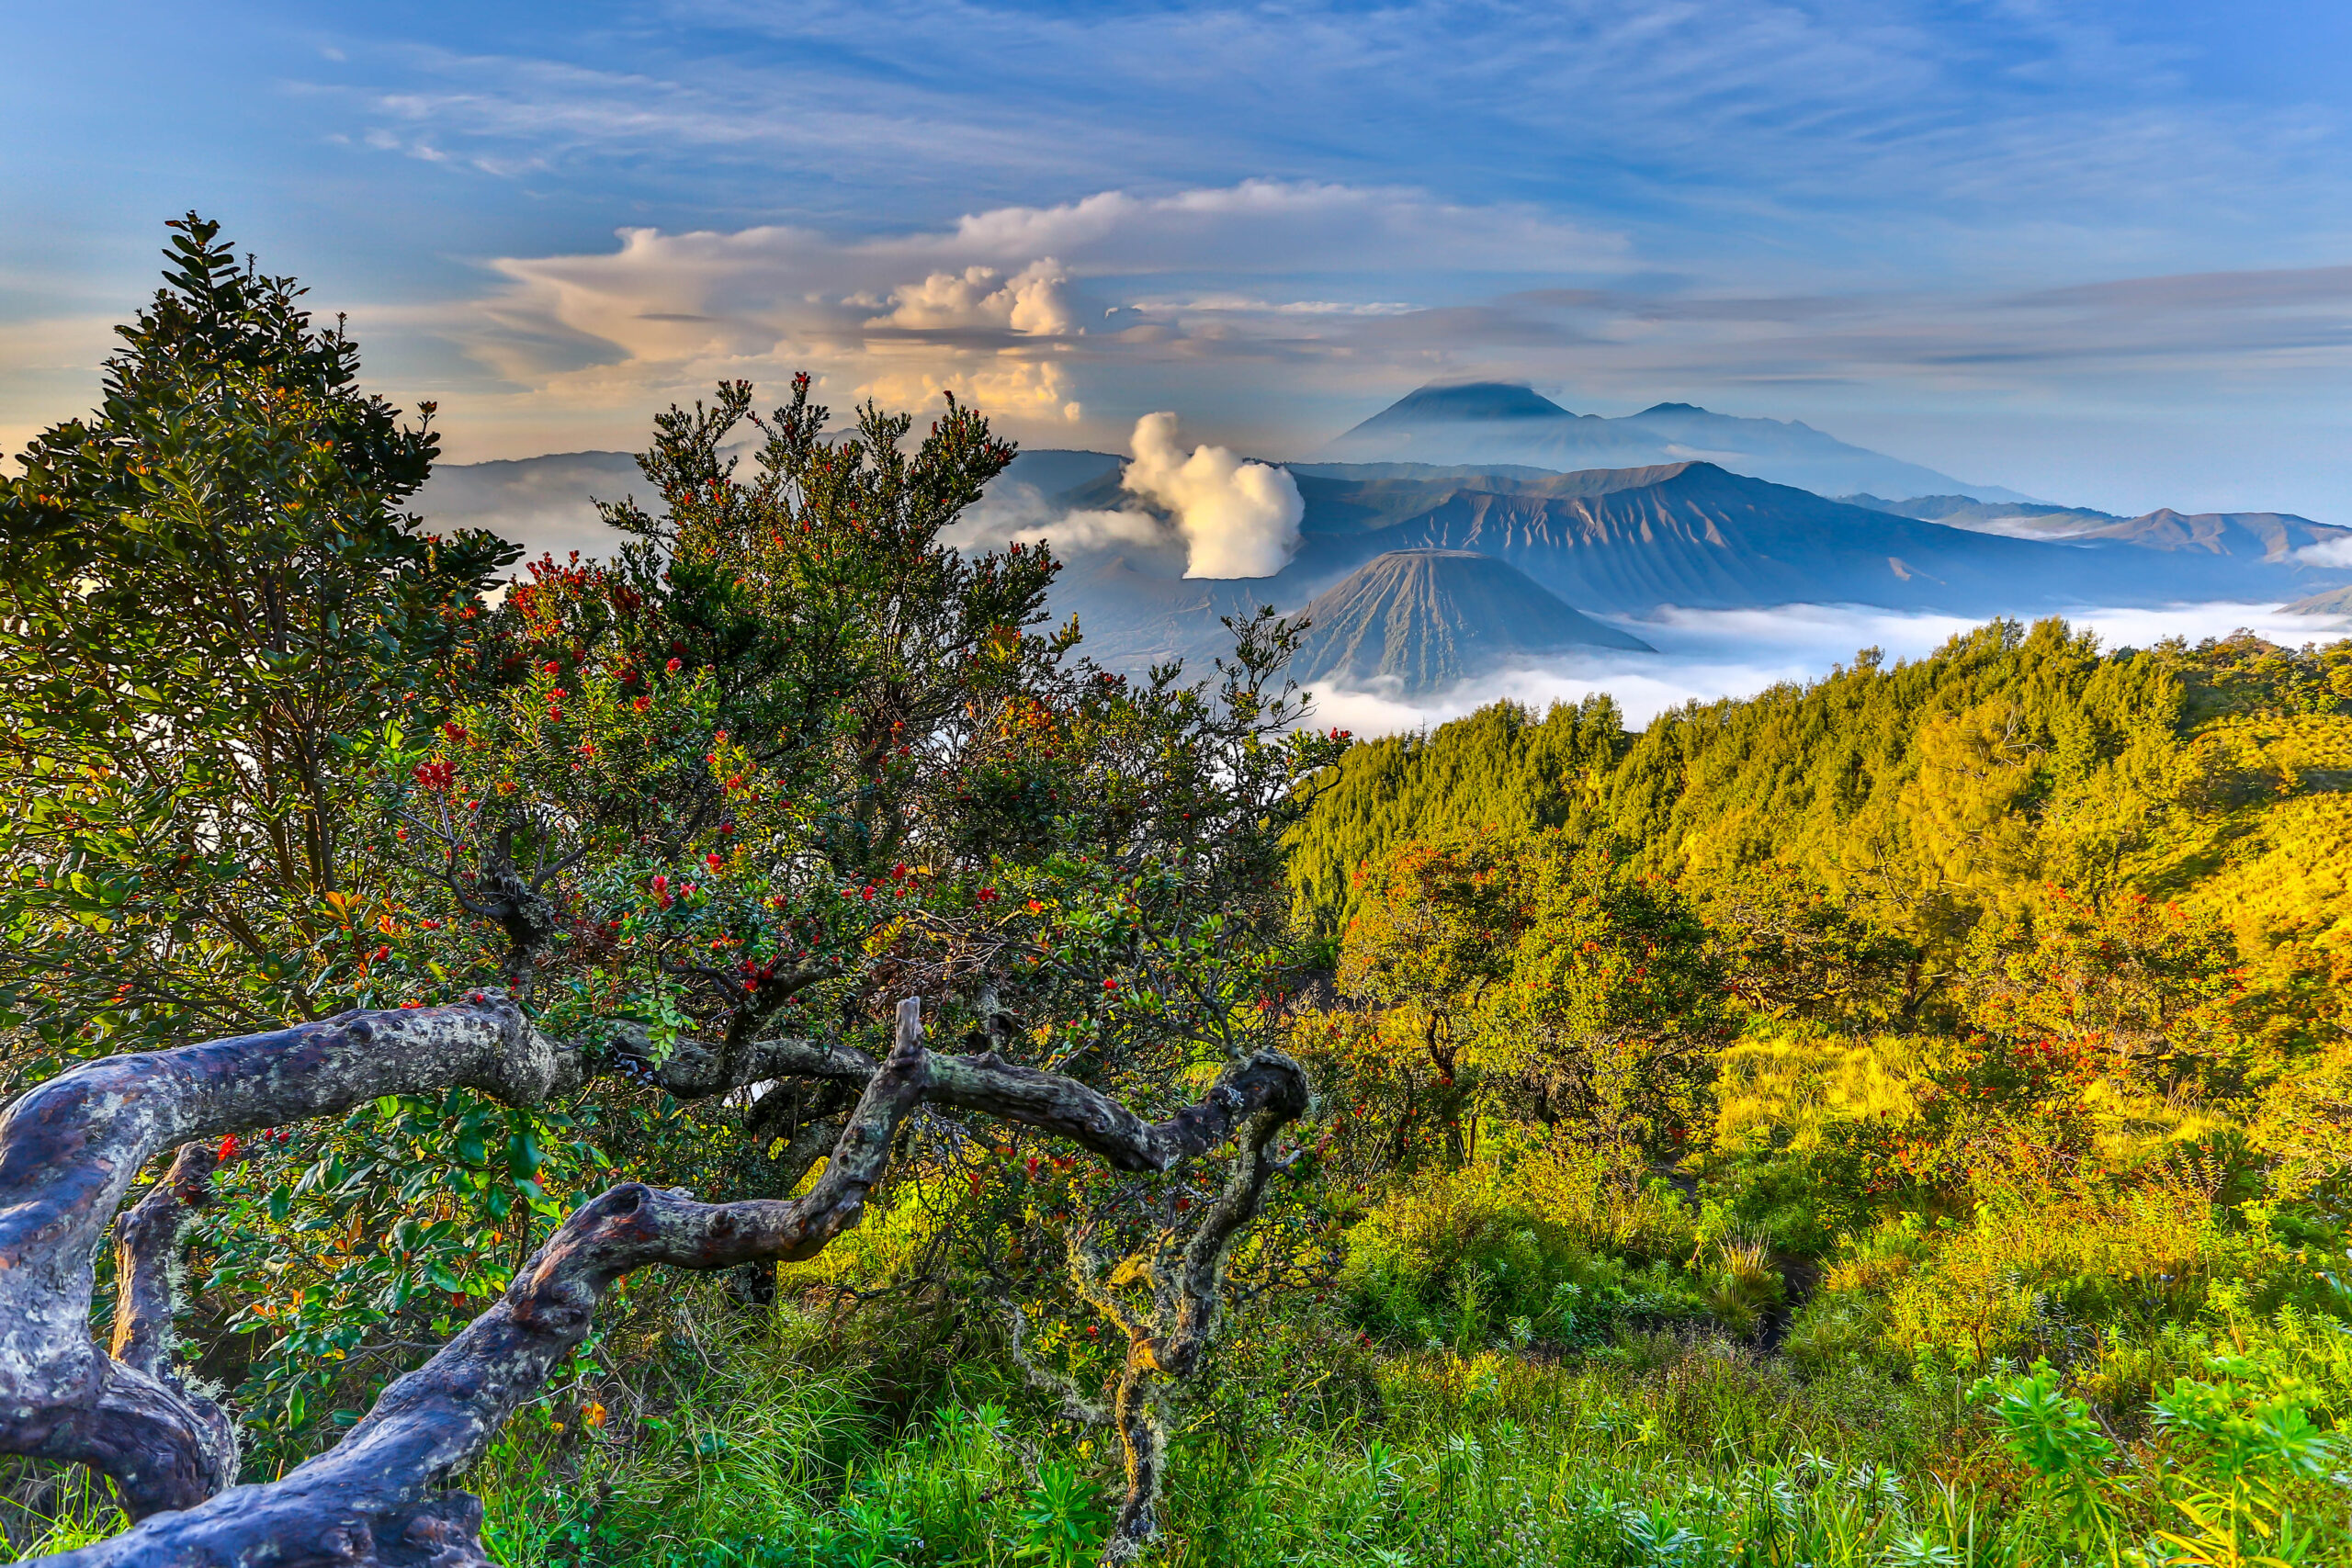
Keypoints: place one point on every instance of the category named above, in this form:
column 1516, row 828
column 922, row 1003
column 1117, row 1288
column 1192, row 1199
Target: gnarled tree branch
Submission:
column 69, row 1148
column 374, row 1499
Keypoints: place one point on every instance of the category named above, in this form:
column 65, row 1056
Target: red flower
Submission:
column 227, row 1150
column 988, row 894
column 552, row 668
column 713, row 861
column 674, row 666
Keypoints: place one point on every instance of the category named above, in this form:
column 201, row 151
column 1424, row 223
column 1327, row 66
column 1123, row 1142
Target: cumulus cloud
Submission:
column 1238, row 518
column 1022, row 389
column 1035, row 300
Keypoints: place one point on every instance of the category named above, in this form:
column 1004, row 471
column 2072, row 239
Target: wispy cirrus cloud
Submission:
column 1038, row 313
column 2073, row 246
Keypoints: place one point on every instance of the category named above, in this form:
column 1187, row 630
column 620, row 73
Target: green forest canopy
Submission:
column 1935, row 794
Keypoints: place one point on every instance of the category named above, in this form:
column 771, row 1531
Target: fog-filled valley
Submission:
column 1688, row 576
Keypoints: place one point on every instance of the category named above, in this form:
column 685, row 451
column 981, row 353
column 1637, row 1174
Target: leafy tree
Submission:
column 1608, row 1026
column 1435, row 932
column 689, row 829
column 216, row 619
column 1548, row 981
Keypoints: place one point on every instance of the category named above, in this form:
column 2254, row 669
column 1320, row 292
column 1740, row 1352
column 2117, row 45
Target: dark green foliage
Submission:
column 215, row 614
column 1500, row 768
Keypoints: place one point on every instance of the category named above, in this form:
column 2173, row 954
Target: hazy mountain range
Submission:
column 1419, row 575
column 2268, row 536
column 1485, row 422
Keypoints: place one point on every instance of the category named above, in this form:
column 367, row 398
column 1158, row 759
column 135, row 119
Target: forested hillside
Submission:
column 1934, row 793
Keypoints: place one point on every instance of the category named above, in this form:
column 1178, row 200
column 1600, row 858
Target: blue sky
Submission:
column 2097, row 251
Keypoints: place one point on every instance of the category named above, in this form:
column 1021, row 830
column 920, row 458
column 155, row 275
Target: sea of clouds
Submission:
column 1706, row 654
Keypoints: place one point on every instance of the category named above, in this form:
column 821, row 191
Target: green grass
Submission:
column 1660, row 1450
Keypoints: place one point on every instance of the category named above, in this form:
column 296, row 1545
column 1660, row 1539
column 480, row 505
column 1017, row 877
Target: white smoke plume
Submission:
column 1011, row 511
column 1238, row 518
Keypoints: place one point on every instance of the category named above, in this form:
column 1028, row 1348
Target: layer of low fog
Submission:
column 1707, row 654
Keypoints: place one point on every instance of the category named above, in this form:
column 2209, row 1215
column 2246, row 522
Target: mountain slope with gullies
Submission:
column 1628, row 541
column 1421, row 620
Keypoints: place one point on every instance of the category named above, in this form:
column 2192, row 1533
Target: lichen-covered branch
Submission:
column 1165, row 1342
column 375, row 1498
column 992, row 1086
column 70, row 1149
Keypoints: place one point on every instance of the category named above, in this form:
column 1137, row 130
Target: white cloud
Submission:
column 1704, row 655
column 1238, row 518
column 1282, row 226
column 2328, row 552
column 1011, row 511
column 1035, row 300
column 1005, row 386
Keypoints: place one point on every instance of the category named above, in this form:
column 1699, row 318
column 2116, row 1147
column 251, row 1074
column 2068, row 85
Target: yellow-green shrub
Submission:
column 2023, row 1268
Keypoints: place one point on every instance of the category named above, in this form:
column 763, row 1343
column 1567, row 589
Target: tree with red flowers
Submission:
column 733, row 822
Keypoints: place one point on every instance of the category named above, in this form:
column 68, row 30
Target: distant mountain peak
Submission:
column 1448, row 401
column 1485, row 423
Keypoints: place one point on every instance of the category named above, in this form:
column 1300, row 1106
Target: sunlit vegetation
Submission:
column 1904, row 1120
